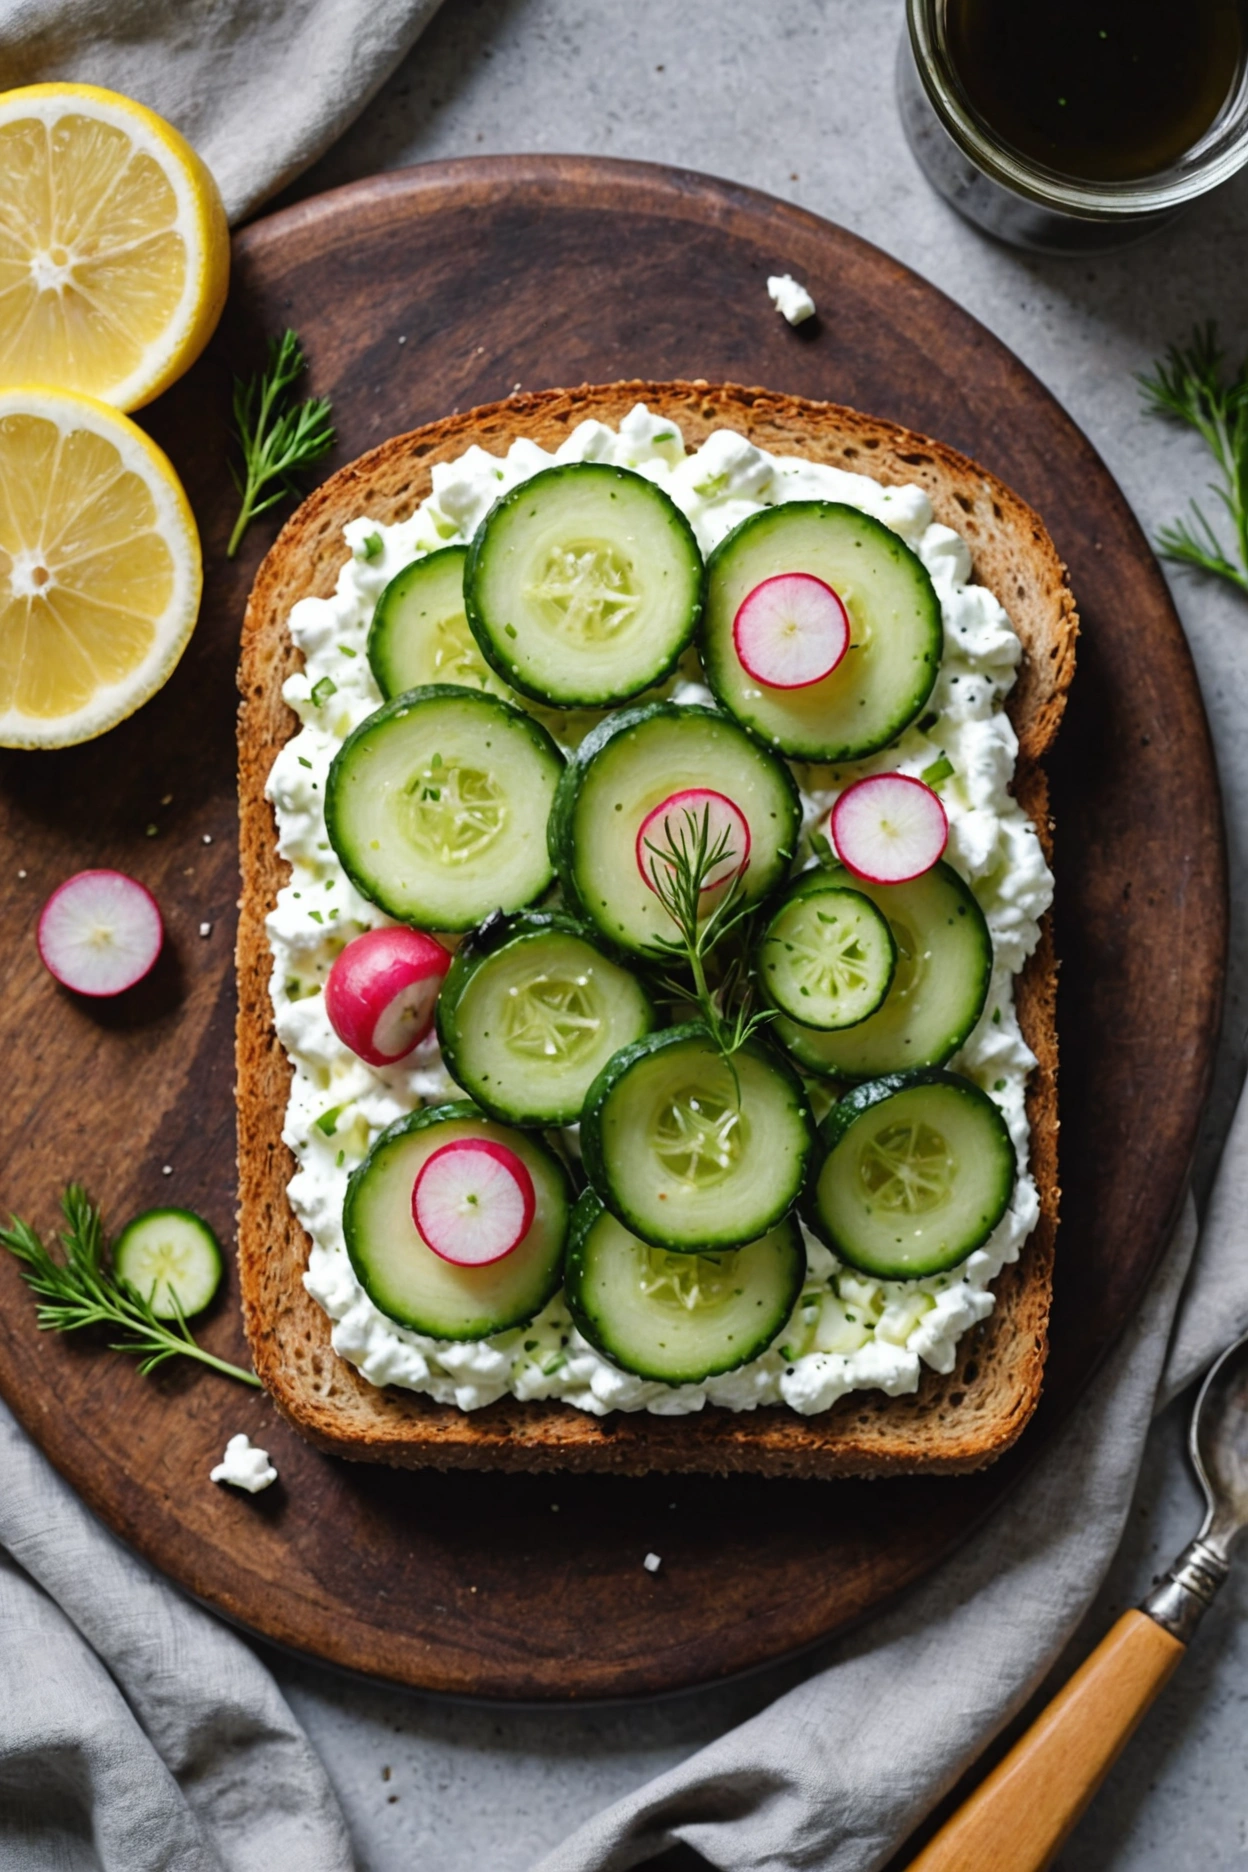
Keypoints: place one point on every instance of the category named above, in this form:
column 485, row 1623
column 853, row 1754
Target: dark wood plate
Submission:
column 543, row 271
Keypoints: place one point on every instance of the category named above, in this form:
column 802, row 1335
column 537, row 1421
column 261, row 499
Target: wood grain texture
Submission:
column 1019, row 1819
column 546, row 271
column 955, row 1422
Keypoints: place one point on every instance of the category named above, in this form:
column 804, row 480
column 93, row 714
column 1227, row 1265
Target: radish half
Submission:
column 791, row 631
column 678, row 820
column 889, row 828
column 100, row 932
column 473, row 1202
column 381, row 992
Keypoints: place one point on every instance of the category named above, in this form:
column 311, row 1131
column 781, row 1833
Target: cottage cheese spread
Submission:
column 847, row 1331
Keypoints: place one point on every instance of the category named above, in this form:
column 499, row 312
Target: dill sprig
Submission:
column 278, row 436
column 1192, row 386
column 680, row 868
column 83, row 1290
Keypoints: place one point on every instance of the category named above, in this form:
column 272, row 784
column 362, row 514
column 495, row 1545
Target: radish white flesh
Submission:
column 100, row 932
column 381, row 992
column 473, row 1202
column 678, row 821
column 889, row 828
column 791, row 631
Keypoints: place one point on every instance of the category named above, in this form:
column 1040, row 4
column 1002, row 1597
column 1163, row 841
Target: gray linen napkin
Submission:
column 260, row 87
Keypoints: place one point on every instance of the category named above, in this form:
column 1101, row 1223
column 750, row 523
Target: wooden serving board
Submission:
column 417, row 294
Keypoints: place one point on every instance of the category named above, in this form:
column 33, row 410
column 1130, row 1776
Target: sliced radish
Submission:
column 100, row 932
column 473, row 1201
column 678, row 820
column 381, row 992
column 889, row 828
column 791, row 631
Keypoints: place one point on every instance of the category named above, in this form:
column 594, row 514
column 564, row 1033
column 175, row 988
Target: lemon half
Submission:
column 114, row 250
column 100, row 570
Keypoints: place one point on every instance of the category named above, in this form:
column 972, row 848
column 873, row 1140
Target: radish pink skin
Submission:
column 749, row 628
column 507, row 1161
column 695, row 800
column 57, row 909
column 867, row 799
column 370, row 974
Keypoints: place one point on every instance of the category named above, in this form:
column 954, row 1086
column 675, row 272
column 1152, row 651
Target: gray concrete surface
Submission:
column 795, row 97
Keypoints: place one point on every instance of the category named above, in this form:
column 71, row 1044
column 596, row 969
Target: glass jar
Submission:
column 1018, row 199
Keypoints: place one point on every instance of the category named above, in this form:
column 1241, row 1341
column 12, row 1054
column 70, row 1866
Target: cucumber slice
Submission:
column 678, row 1318
column 168, row 1252
column 626, row 767
column 419, row 633
column 584, row 585
column 827, row 958
column 684, row 1156
column 916, row 1171
column 404, row 1278
column 886, row 675
column 437, row 806
column 530, row 1013
column 944, row 965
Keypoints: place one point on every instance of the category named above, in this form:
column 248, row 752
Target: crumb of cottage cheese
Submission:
column 244, row 1466
column 847, row 1332
column 790, row 299
column 652, row 1563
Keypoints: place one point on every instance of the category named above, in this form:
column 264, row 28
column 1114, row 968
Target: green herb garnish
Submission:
column 83, row 1290
column 278, row 436
column 1191, row 386
column 938, row 771
column 372, row 547
column 679, row 869
column 823, row 851
column 322, row 690
column 327, row 1123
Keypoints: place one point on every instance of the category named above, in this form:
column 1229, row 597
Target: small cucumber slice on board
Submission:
column 678, row 1318
column 622, row 771
column 419, row 633
column 886, row 675
column 685, row 1156
column 437, row 806
column 916, row 1171
column 403, row 1276
column 944, row 966
column 584, row 585
column 531, row 1012
column 827, row 957
column 168, row 1252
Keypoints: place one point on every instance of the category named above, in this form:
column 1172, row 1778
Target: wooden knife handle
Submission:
column 1021, row 1816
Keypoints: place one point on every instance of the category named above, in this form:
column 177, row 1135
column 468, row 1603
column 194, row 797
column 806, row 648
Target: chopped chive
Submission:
column 372, row 547
column 322, row 691
column 327, row 1123
column 938, row 771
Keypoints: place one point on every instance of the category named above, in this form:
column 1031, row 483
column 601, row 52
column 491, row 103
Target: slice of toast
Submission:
column 953, row 1423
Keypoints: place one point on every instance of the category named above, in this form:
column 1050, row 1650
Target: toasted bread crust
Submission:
column 954, row 1423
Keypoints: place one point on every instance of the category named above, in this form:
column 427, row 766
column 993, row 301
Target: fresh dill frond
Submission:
column 1192, row 385
column 680, row 869
column 83, row 1290
column 278, row 436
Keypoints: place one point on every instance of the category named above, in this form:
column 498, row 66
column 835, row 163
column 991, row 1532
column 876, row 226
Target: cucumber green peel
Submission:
column 84, row 1290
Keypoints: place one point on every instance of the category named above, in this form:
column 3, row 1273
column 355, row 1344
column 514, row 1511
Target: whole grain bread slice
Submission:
column 953, row 1423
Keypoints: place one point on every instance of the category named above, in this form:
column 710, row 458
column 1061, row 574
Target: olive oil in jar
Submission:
column 1098, row 90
